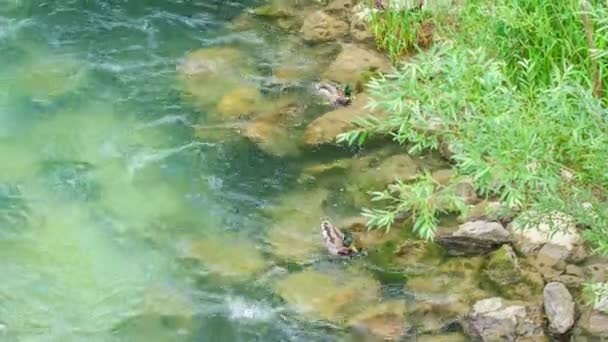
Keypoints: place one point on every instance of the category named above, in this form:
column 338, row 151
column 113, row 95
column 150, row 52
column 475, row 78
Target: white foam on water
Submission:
column 244, row 310
column 143, row 159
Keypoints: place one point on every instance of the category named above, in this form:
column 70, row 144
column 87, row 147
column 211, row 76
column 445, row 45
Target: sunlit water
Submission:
column 103, row 187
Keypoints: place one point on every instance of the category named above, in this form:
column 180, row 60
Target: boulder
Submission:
column 319, row 27
column 550, row 261
column 559, row 308
column 227, row 256
column 385, row 320
column 329, row 296
column 509, row 276
column 327, row 127
column 496, row 319
column 240, row 103
column 531, row 232
column 595, row 321
column 360, row 29
column 271, row 138
column 295, row 235
column 208, row 74
column 474, row 238
column 354, row 63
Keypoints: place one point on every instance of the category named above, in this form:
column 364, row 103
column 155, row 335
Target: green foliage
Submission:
column 397, row 32
column 424, row 200
column 519, row 105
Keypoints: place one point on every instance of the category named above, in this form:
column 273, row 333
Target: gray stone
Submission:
column 496, row 319
column 559, row 308
column 474, row 238
column 484, row 230
column 532, row 232
column 598, row 324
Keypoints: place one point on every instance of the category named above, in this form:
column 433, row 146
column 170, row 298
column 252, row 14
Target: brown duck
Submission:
column 335, row 241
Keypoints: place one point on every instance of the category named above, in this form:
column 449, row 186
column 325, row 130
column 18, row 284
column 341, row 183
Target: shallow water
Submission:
column 116, row 223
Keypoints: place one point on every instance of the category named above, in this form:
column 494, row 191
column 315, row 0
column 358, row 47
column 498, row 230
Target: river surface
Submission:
column 101, row 179
column 115, row 220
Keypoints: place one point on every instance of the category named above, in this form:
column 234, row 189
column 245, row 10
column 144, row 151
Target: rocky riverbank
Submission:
column 488, row 277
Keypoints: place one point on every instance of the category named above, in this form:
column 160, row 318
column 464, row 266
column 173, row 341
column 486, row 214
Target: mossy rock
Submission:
column 505, row 275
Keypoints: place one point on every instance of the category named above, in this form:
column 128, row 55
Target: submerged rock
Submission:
column 272, row 139
column 445, row 293
column 240, row 103
column 384, row 320
column 474, row 238
column 559, row 308
column 353, row 63
column 496, row 319
column 294, row 236
column 208, row 74
column 227, row 256
column 329, row 296
column 321, row 27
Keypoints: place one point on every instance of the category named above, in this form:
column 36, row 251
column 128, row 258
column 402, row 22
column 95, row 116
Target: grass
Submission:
column 518, row 90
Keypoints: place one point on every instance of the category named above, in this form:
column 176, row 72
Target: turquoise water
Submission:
column 116, row 222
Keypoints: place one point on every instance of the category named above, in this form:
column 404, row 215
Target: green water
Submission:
column 106, row 195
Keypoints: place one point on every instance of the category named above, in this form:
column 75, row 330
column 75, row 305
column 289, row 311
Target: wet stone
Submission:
column 227, row 256
column 328, row 296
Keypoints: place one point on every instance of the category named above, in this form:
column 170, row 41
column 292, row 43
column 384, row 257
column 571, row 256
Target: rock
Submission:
column 596, row 272
column 550, row 261
column 353, row 63
column 360, row 29
column 327, row 127
column 241, row 103
column 512, row 278
column 227, row 256
column 595, row 322
column 484, row 210
column 208, row 74
column 452, row 337
column 466, row 191
column 340, row 7
column 328, row 296
column 318, row 170
column 443, row 176
column 445, row 293
column 385, row 320
column 474, row 238
column 295, row 235
column 557, row 229
column 484, row 230
column 321, row 27
column 559, row 308
column 364, row 237
column 272, row 139
column 496, row 319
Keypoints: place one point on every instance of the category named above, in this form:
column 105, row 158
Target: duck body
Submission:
column 334, row 95
column 335, row 241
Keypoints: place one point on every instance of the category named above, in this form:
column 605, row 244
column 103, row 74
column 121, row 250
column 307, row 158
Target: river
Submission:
column 104, row 188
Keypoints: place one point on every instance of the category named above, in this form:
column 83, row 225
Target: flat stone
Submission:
column 484, row 230
column 559, row 308
column 328, row 126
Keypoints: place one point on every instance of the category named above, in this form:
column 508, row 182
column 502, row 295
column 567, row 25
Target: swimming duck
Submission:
column 336, row 242
column 334, row 94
